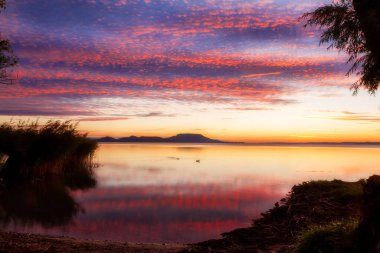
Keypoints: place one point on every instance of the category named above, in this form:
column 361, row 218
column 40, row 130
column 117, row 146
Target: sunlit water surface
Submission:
column 189, row 193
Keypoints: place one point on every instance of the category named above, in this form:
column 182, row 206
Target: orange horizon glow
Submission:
column 248, row 137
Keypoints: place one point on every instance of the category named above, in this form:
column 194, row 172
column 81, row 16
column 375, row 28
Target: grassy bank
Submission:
column 316, row 216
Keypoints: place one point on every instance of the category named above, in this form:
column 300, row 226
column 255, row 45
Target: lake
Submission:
column 194, row 192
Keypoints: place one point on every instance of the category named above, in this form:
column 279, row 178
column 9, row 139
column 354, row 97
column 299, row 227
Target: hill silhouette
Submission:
column 179, row 138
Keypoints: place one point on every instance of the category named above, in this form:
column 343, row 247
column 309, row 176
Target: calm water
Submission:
column 189, row 193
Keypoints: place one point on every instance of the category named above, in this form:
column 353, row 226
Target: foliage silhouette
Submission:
column 335, row 237
column 7, row 56
column 55, row 149
column 367, row 234
column 353, row 26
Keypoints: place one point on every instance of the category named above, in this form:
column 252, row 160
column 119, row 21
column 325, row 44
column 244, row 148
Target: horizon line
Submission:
column 251, row 143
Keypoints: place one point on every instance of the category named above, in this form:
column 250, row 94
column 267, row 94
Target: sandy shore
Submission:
column 16, row 242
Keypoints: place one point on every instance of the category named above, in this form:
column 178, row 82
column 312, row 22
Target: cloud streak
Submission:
column 161, row 50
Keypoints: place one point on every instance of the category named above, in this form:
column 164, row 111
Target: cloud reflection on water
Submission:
column 143, row 196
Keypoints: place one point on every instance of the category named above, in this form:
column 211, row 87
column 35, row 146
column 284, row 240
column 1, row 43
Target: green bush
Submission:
column 332, row 238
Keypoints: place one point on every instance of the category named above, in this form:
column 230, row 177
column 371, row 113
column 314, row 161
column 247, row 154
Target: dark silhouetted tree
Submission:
column 353, row 26
column 7, row 57
column 368, row 231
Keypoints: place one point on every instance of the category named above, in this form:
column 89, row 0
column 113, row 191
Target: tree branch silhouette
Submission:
column 7, row 56
column 352, row 26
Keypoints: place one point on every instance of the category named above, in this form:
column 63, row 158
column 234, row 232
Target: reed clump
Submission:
column 54, row 149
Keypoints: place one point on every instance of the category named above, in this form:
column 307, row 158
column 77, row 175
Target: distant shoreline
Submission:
column 179, row 138
column 201, row 139
column 263, row 144
column 314, row 144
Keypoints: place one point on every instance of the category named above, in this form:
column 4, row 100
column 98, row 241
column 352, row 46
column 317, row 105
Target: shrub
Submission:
column 332, row 238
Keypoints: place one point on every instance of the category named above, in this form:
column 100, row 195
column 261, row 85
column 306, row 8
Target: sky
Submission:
column 233, row 70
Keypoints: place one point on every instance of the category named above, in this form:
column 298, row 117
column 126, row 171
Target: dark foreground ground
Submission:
column 313, row 215
column 14, row 242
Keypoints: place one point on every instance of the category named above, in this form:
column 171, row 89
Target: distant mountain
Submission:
column 179, row 138
column 106, row 139
column 141, row 139
column 192, row 138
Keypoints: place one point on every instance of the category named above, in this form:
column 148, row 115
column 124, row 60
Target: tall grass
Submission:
column 54, row 149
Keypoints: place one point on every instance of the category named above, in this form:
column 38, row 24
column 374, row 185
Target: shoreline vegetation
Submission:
column 315, row 217
column 300, row 222
column 54, row 149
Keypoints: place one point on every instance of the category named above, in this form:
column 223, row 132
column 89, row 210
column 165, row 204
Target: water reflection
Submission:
column 143, row 196
column 190, row 149
column 41, row 194
column 177, row 213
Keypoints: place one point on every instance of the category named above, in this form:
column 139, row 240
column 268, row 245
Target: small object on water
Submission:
column 197, row 161
column 174, row 158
